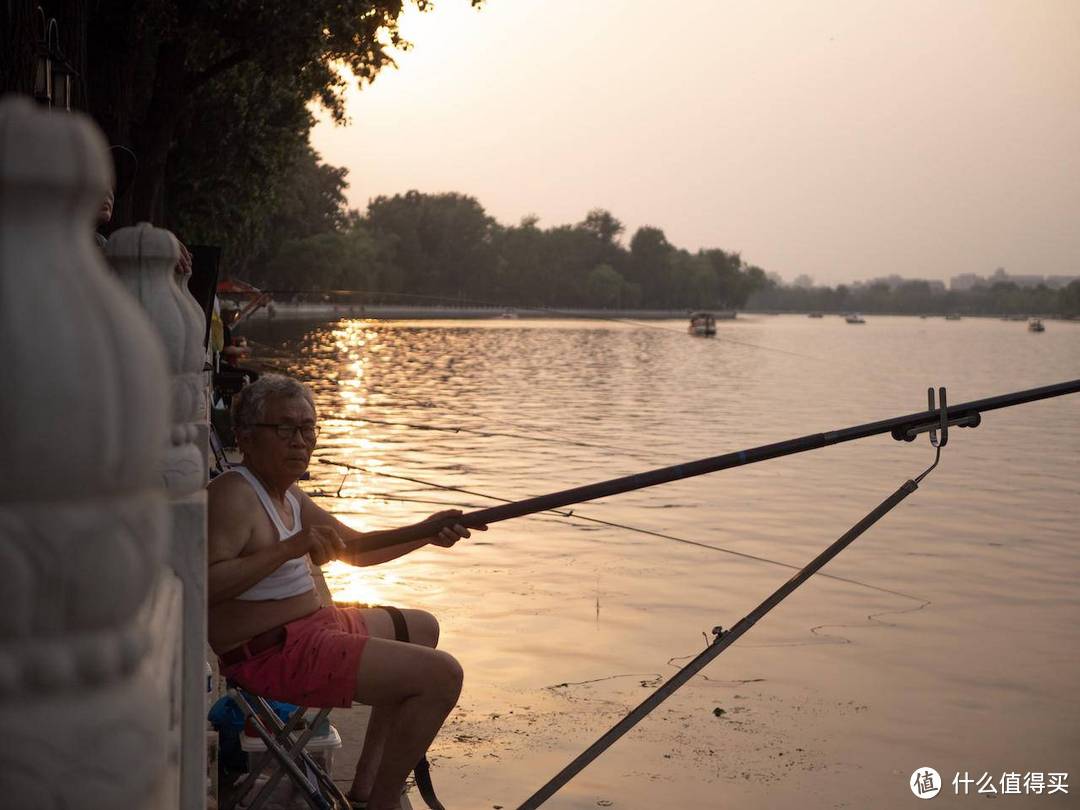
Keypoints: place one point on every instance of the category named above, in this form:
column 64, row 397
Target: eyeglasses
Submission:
column 285, row 431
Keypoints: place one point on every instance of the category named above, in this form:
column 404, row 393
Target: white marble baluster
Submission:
column 145, row 258
column 88, row 611
column 197, row 324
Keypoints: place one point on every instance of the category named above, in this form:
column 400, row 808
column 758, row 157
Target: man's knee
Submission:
column 423, row 627
column 446, row 677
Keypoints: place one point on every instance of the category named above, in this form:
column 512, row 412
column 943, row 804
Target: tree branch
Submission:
column 196, row 80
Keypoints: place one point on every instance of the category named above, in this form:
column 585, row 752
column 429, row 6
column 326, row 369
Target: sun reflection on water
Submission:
column 351, row 348
column 369, row 587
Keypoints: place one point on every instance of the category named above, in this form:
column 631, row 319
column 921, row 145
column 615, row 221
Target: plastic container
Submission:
column 285, row 795
column 321, row 747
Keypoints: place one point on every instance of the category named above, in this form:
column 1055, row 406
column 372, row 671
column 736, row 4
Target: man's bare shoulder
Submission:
column 231, row 500
column 229, row 487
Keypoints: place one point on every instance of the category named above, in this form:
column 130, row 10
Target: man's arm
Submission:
column 311, row 514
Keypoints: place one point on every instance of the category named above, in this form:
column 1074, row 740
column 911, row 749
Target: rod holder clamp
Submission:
column 908, row 433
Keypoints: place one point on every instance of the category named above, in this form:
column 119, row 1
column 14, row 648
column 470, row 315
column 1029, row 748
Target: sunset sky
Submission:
column 842, row 140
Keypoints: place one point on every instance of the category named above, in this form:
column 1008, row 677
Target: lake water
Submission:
column 959, row 650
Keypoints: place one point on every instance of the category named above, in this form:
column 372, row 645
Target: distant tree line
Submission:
column 446, row 248
column 919, row 298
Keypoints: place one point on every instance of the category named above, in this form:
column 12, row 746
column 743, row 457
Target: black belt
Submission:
column 258, row 644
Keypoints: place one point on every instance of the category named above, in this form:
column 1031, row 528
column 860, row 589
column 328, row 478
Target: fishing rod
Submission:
column 902, row 428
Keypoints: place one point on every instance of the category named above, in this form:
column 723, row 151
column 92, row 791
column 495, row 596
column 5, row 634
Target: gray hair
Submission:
column 249, row 405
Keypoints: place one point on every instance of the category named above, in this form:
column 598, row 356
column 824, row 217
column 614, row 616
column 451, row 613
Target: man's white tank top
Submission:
column 293, row 577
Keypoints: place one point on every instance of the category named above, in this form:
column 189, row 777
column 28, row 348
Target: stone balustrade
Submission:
column 145, row 259
column 102, row 493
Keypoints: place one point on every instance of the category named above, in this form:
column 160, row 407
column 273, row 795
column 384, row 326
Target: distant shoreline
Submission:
column 291, row 311
column 312, row 311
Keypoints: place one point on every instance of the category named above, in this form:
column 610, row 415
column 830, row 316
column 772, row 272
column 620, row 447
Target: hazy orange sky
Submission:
column 843, row 140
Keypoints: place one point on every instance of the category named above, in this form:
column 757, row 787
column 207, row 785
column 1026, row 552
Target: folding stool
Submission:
column 286, row 755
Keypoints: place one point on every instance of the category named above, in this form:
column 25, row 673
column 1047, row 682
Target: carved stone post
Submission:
column 145, row 259
column 87, row 609
column 197, row 323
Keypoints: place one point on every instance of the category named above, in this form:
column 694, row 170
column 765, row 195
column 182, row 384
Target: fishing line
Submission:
column 827, row 639
column 561, row 438
column 383, row 496
column 483, row 433
column 431, row 484
column 571, row 514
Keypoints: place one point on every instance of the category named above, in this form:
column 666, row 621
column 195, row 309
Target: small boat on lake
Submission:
column 953, row 316
column 1036, row 325
column 702, row 324
column 816, row 315
column 854, row 317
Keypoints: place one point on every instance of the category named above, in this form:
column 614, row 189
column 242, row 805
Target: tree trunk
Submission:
column 118, row 56
column 152, row 141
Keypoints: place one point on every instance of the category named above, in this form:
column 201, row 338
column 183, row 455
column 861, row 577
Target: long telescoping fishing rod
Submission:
column 902, row 428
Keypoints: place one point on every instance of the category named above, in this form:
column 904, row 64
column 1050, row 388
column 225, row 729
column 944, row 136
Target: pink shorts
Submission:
column 316, row 666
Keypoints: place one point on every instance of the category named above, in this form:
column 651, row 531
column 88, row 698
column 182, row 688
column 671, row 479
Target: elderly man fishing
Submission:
column 267, row 623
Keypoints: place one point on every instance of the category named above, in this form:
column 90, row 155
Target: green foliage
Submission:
column 243, row 176
column 333, row 260
column 604, row 287
column 444, row 247
column 191, row 85
column 1070, row 300
column 438, row 244
column 603, row 225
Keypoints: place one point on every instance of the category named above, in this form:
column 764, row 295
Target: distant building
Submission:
column 1027, row 281
column 969, row 281
column 966, row 281
column 892, row 281
column 1060, row 282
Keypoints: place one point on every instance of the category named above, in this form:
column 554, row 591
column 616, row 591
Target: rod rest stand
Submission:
column 908, row 433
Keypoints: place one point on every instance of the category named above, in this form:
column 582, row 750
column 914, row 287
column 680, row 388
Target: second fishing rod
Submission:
column 903, row 428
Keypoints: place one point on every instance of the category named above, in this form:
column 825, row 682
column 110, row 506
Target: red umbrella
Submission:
column 233, row 286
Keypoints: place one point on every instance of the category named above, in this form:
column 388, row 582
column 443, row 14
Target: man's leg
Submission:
column 423, row 630
column 419, row 686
